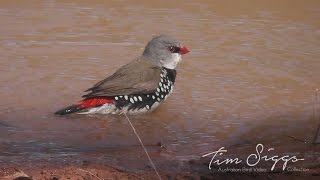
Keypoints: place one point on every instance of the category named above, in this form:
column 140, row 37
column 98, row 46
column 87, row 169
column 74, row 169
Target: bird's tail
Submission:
column 70, row 109
column 85, row 104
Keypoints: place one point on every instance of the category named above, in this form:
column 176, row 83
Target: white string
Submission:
column 144, row 148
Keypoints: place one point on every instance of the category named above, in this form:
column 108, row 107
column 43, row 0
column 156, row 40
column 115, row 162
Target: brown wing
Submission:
column 138, row 77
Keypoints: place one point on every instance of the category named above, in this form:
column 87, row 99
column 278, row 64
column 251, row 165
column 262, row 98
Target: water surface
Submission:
column 250, row 78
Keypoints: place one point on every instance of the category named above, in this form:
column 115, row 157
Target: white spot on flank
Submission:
column 160, row 84
column 148, row 95
column 139, row 97
column 116, row 98
column 131, row 100
column 120, row 96
column 147, row 106
column 135, row 98
column 158, row 89
column 161, row 80
column 158, row 99
column 153, row 97
column 162, row 89
column 157, row 93
column 161, row 96
column 161, row 75
column 126, row 97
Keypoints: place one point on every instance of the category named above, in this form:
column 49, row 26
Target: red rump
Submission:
column 94, row 102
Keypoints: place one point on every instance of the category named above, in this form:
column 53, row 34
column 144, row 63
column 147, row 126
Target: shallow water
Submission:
column 251, row 76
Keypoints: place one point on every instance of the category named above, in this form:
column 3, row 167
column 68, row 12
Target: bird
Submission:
column 137, row 87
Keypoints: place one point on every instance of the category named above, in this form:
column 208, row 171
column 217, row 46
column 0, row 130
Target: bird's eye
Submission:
column 174, row 49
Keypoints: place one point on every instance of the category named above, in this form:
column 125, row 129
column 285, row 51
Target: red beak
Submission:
column 184, row 50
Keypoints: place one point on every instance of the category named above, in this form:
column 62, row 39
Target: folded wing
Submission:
column 138, row 77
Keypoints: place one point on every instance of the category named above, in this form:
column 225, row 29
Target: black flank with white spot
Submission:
column 141, row 101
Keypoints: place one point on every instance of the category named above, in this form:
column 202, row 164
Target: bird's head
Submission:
column 164, row 51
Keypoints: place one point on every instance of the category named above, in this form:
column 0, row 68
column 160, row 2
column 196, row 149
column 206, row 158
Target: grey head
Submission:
column 164, row 51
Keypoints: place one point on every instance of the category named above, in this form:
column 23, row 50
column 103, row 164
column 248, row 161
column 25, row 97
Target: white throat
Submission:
column 172, row 64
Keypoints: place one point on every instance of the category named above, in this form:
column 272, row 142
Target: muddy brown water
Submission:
column 250, row 77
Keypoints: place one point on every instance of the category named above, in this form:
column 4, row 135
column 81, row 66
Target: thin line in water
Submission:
column 144, row 148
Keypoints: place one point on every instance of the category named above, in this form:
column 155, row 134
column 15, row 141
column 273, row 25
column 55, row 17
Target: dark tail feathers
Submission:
column 69, row 110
